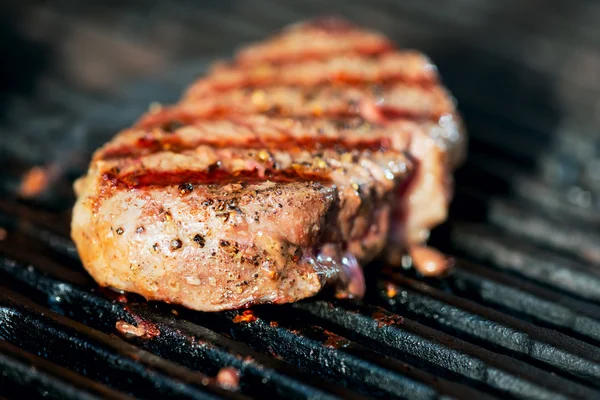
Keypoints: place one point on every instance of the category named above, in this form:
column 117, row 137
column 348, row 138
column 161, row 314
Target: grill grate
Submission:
column 518, row 318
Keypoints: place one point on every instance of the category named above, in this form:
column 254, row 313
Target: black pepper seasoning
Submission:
column 186, row 188
column 175, row 244
column 172, row 126
column 200, row 240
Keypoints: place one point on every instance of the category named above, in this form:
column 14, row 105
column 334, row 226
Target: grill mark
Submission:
column 149, row 178
column 216, row 87
column 153, row 120
column 384, row 112
column 149, row 144
column 313, row 55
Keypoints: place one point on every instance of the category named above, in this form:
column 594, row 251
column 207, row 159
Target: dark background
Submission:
column 526, row 73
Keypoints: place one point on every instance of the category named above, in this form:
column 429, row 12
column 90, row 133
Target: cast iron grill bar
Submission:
column 550, row 233
column 495, row 174
column 315, row 348
column 512, row 255
column 558, row 200
column 579, row 241
column 60, row 341
column 533, row 192
column 32, row 375
column 97, row 355
column 409, row 338
column 524, row 300
column 490, row 328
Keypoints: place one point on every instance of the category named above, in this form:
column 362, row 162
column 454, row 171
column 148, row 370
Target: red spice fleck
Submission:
column 229, row 378
column 122, row 298
column 274, row 324
column 246, row 316
column 429, row 261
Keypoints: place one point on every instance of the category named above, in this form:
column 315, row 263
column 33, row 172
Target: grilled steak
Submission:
column 276, row 175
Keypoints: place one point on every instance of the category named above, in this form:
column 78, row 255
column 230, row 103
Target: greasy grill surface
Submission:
column 519, row 317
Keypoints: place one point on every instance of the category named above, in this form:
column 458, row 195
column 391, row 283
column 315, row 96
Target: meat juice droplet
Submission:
column 355, row 286
column 228, row 378
column 429, row 261
column 350, row 279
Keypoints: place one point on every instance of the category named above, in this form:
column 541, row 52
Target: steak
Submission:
column 277, row 174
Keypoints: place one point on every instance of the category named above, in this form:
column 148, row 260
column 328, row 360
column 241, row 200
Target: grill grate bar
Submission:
column 393, row 334
column 31, row 375
column 579, row 241
column 479, row 324
column 512, row 255
column 314, row 348
column 379, row 377
column 525, row 300
column 553, row 232
column 496, row 176
column 558, row 200
column 105, row 359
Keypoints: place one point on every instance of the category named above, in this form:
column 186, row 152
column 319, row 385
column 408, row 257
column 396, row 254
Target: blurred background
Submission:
column 526, row 75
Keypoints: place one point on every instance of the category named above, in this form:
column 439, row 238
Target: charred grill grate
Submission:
column 519, row 317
